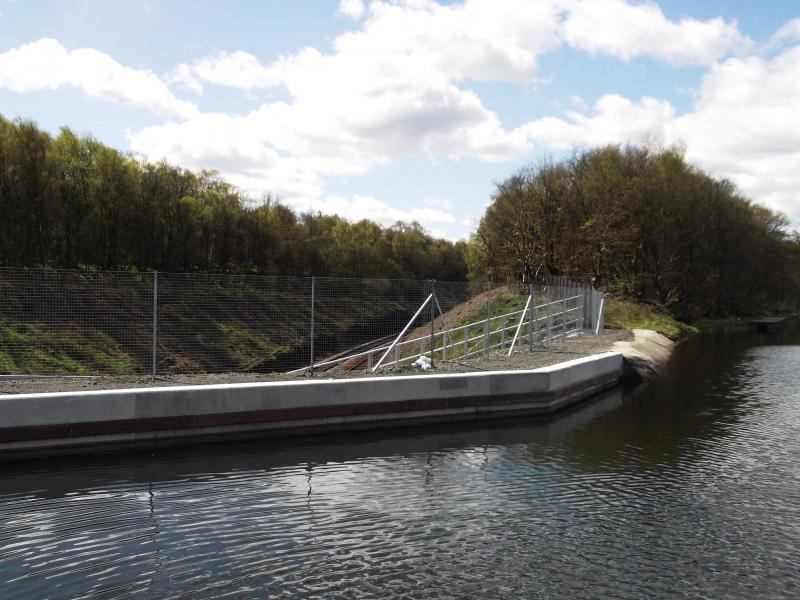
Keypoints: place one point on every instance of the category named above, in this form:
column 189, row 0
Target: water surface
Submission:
column 689, row 487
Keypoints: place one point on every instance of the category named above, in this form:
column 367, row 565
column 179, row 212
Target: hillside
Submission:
column 86, row 322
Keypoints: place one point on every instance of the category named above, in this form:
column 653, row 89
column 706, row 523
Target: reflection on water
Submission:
column 687, row 487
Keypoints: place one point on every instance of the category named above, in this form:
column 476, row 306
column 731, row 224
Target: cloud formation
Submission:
column 353, row 9
column 359, row 207
column 397, row 85
column 394, row 88
column 47, row 65
column 744, row 126
column 626, row 31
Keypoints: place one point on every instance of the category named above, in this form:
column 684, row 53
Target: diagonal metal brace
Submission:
column 402, row 333
column 519, row 325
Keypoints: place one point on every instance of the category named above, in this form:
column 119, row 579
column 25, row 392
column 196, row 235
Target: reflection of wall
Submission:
column 56, row 477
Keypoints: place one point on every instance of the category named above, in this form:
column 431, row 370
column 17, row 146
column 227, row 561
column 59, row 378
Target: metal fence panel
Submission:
column 75, row 322
column 82, row 322
column 225, row 323
column 355, row 315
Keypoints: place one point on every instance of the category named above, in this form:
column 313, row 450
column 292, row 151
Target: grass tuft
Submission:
column 626, row 314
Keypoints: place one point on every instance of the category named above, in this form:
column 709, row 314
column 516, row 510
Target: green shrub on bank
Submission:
column 626, row 314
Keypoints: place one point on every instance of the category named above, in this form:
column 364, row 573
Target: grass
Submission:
column 626, row 314
column 68, row 323
column 28, row 348
column 246, row 347
column 501, row 305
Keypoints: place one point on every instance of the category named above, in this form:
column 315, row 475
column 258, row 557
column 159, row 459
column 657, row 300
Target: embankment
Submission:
column 645, row 354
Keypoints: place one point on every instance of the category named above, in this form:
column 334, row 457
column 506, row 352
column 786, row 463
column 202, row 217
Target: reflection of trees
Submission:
column 695, row 401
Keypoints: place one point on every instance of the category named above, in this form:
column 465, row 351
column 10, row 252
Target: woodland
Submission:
column 639, row 222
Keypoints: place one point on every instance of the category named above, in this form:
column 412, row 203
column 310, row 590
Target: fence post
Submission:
column 549, row 321
column 155, row 323
column 599, row 327
column 313, row 290
column 433, row 318
column 530, row 318
column 486, row 324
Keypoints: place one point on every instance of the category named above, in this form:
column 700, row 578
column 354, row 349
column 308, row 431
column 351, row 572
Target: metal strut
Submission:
column 402, row 333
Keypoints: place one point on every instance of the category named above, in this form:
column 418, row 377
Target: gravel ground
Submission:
column 540, row 357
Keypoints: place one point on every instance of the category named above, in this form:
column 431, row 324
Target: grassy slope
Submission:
column 626, row 314
column 504, row 301
column 72, row 323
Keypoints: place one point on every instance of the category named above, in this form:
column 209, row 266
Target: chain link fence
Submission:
column 59, row 322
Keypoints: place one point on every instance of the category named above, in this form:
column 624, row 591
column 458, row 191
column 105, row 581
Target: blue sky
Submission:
column 412, row 109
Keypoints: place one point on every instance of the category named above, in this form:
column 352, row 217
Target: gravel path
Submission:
column 540, row 357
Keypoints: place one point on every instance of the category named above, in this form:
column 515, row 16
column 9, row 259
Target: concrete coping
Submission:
column 556, row 368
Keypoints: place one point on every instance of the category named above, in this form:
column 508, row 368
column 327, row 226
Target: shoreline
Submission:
column 53, row 422
column 65, row 421
column 645, row 355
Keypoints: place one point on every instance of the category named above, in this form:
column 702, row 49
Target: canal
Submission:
column 687, row 487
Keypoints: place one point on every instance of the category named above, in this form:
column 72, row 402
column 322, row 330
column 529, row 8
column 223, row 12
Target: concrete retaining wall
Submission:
column 49, row 421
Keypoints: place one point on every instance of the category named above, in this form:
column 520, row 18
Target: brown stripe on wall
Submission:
column 111, row 427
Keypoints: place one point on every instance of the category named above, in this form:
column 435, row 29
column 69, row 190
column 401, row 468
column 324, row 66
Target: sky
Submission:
column 413, row 109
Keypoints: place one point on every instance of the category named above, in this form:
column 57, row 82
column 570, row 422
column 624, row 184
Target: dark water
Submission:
column 690, row 487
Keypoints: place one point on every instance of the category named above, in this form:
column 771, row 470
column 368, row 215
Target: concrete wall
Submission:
column 37, row 421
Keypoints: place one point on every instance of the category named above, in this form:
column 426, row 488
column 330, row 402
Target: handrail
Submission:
column 400, row 343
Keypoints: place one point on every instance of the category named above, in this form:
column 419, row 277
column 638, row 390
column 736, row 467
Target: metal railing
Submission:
column 535, row 324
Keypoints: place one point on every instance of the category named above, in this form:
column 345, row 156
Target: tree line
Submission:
column 645, row 224
column 69, row 201
column 640, row 222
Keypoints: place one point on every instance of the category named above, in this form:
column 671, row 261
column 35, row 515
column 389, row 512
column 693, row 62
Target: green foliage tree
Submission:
column 70, row 201
column 643, row 223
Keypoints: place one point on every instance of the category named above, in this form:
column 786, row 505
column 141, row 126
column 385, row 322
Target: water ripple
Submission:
column 670, row 492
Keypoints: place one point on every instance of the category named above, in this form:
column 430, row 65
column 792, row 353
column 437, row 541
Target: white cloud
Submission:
column 238, row 149
column 357, row 208
column 47, row 65
column 744, row 126
column 353, row 9
column 388, row 90
column 614, row 119
column 182, row 75
column 392, row 88
column 626, row 31
column 790, row 32
column 442, row 203
column 235, row 69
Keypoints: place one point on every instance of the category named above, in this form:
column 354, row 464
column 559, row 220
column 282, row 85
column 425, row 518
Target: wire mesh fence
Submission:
column 85, row 323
